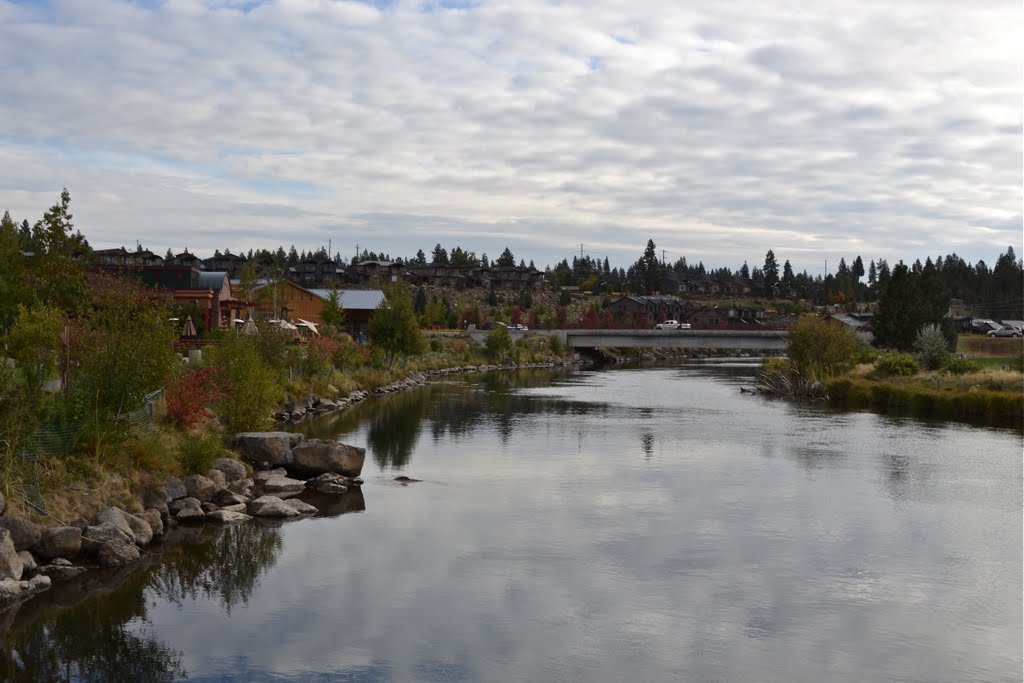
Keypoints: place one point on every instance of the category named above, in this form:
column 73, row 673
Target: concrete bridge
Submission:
column 768, row 340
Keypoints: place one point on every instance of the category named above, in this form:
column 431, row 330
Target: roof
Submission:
column 211, row 280
column 355, row 299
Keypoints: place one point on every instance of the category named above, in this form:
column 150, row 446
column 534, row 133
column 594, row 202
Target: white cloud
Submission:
column 719, row 130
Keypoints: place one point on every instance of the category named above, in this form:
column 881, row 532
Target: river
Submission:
column 634, row 524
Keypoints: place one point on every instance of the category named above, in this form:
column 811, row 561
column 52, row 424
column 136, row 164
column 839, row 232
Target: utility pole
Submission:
column 581, row 251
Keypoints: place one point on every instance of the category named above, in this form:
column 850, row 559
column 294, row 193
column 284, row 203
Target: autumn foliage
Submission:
column 189, row 399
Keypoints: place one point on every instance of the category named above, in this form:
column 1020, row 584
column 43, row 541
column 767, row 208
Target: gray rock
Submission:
column 62, row 541
column 225, row 498
column 227, row 517
column 283, row 487
column 201, row 488
column 233, row 470
column 156, row 500
column 325, row 455
column 218, row 478
column 261, row 477
column 191, row 511
column 141, row 528
column 301, row 507
column 267, row 448
column 11, row 590
column 99, row 535
column 62, row 572
column 3, row 503
column 28, row 562
column 155, row 519
column 237, row 507
column 209, row 507
column 176, row 506
column 117, row 554
column 271, row 506
column 174, row 489
column 11, row 565
column 24, row 533
column 118, row 518
column 328, row 482
column 243, row 487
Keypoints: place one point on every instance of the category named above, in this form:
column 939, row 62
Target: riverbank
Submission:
column 121, row 513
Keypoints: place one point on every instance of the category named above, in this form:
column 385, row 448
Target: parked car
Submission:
column 1005, row 331
column 669, row 325
column 519, row 327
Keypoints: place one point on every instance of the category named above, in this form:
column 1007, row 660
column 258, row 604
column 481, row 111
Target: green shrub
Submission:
column 555, row 345
column 435, row 345
column 820, row 349
column 962, row 366
column 197, row 453
column 867, row 355
column 932, row 347
column 252, row 387
column 896, row 364
column 498, row 344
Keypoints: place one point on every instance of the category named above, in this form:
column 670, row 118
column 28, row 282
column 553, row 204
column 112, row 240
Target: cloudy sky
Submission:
column 717, row 129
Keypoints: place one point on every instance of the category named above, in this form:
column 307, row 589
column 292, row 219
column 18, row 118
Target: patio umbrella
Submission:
column 249, row 328
column 190, row 328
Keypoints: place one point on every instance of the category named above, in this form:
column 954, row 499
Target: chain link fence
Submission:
column 49, row 440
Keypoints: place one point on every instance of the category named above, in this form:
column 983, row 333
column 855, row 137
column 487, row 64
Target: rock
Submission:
column 404, row 480
column 117, row 554
column 28, row 562
column 326, row 455
column 99, row 535
column 191, row 511
column 176, row 506
column 232, row 469
column 225, row 498
column 301, row 507
column 283, row 487
column 271, row 506
column 201, row 488
column 328, row 482
column 242, row 487
column 11, row 565
column 155, row 500
column 266, row 474
column 62, row 541
column 268, row 449
column 11, row 590
column 237, row 507
column 3, row 503
column 155, row 519
column 227, row 517
column 209, row 507
column 24, row 533
column 218, row 478
column 141, row 528
column 62, row 572
column 174, row 489
column 118, row 518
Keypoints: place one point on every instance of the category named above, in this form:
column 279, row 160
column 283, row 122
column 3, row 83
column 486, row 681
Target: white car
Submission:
column 672, row 325
column 1005, row 331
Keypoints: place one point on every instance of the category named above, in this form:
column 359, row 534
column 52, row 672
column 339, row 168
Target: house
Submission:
column 632, row 310
column 315, row 270
column 227, row 262
column 380, row 272
column 289, row 301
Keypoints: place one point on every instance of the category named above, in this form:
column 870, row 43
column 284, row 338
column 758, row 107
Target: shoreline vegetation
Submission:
column 982, row 382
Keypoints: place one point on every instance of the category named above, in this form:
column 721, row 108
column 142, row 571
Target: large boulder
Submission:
column 282, row 486
column 119, row 519
column 11, row 565
column 317, row 456
column 155, row 519
column 24, row 533
column 267, row 449
column 62, row 541
column 102, row 534
column 233, row 470
column 156, row 500
column 227, row 517
column 201, row 488
column 189, row 510
column 271, row 506
column 3, row 503
column 174, row 489
column 117, row 554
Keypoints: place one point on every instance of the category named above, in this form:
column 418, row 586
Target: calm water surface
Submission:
column 629, row 525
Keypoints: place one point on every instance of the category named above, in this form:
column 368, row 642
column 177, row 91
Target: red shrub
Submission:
column 189, row 398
